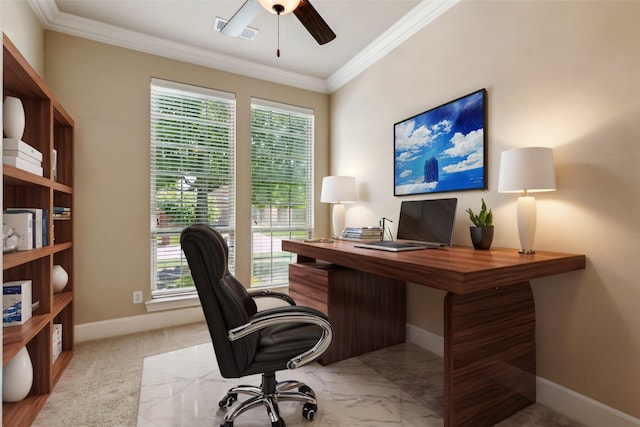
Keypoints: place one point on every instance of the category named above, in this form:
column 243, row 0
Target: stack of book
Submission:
column 362, row 233
column 30, row 224
column 18, row 153
column 61, row 213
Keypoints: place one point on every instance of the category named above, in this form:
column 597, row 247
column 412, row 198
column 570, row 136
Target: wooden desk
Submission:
column 489, row 317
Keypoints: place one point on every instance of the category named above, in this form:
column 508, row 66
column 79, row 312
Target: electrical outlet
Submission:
column 137, row 297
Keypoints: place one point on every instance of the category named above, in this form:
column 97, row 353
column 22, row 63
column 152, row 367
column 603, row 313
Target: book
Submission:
column 16, row 302
column 363, row 230
column 61, row 212
column 56, row 341
column 39, row 224
column 45, row 226
column 21, row 146
column 362, row 233
column 22, row 164
column 22, row 155
column 22, row 223
column 54, row 166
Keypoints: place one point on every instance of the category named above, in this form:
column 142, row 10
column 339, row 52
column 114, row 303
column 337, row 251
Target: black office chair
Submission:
column 247, row 341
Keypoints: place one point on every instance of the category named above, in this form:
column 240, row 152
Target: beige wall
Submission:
column 106, row 91
column 558, row 74
column 20, row 24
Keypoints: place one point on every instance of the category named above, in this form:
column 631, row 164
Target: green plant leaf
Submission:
column 483, row 218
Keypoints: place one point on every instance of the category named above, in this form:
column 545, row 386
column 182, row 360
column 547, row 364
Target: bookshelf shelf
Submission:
column 16, row 337
column 48, row 127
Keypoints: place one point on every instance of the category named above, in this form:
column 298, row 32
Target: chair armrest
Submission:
column 266, row 293
column 283, row 315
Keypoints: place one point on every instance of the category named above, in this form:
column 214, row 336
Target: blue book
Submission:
column 45, row 239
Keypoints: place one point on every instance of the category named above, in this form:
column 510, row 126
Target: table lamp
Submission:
column 338, row 190
column 527, row 170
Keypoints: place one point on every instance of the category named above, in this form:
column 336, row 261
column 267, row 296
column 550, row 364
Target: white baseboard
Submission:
column 129, row 325
column 561, row 399
column 579, row 407
column 425, row 339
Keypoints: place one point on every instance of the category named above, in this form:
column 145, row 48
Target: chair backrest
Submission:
column 225, row 302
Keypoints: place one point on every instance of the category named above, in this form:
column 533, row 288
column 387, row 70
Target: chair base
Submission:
column 269, row 394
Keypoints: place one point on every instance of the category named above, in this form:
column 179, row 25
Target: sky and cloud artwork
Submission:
column 442, row 149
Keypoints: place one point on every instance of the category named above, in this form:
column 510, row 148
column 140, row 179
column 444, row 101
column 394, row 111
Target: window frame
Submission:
column 214, row 131
column 276, row 258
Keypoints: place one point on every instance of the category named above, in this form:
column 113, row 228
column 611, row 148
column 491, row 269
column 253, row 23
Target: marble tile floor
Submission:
column 397, row 386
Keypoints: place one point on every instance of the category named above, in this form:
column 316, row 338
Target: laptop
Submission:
column 423, row 224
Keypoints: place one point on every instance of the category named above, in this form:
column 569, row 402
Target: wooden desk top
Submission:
column 457, row 269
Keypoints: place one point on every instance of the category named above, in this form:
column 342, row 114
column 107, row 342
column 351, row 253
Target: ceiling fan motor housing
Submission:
column 279, row 7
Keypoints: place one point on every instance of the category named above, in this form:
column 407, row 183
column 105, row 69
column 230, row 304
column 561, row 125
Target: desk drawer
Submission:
column 310, row 292
column 305, row 301
column 309, row 274
column 308, row 285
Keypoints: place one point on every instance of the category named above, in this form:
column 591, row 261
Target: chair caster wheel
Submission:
column 307, row 390
column 309, row 411
column 227, row 424
column 227, row 401
column 279, row 423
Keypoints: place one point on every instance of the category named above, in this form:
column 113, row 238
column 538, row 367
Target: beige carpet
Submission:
column 101, row 385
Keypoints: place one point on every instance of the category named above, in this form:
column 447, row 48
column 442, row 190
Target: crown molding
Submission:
column 425, row 12
column 419, row 17
column 52, row 19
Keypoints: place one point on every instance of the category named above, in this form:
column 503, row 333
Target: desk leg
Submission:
column 368, row 312
column 490, row 355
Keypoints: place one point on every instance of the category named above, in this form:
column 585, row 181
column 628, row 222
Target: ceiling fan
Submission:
column 303, row 10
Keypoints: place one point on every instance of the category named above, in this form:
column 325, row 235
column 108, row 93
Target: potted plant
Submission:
column 482, row 233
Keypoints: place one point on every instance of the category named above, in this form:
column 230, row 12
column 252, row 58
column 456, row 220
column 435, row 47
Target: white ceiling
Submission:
column 183, row 29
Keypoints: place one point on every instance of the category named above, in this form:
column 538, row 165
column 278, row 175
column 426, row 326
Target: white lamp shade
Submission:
column 338, row 189
column 529, row 169
column 288, row 5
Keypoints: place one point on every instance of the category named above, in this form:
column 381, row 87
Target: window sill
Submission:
column 172, row 303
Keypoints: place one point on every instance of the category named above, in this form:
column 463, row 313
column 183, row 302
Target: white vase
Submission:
column 13, row 117
column 60, row 278
column 17, row 377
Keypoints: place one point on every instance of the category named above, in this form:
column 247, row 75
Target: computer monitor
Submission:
column 427, row 220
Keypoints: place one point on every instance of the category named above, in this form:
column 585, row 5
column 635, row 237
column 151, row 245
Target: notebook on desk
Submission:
column 423, row 224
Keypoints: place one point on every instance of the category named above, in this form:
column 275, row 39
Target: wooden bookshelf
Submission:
column 48, row 127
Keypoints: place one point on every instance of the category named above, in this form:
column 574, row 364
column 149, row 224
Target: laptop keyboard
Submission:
column 391, row 244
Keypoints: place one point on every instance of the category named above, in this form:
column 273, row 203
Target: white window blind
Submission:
column 192, row 175
column 281, row 186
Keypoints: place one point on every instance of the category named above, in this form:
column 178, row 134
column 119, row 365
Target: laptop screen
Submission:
column 427, row 220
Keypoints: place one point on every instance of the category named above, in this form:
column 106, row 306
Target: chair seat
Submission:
column 286, row 341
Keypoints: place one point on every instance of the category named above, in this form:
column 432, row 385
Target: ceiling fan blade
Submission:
column 313, row 22
column 242, row 18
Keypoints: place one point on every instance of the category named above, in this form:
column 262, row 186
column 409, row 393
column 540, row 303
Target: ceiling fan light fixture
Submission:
column 285, row 6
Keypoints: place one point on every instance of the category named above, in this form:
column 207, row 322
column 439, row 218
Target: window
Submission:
column 192, row 175
column 281, row 186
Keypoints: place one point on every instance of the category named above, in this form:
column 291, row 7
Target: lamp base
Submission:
column 338, row 220
column 526, row 251
column 526, row 223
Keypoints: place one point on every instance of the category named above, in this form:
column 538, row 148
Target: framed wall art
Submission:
column 442, row 149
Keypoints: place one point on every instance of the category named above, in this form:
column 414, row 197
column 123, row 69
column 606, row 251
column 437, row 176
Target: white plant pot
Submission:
column 17, row 377
column 13, row 117
column 60, row 278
